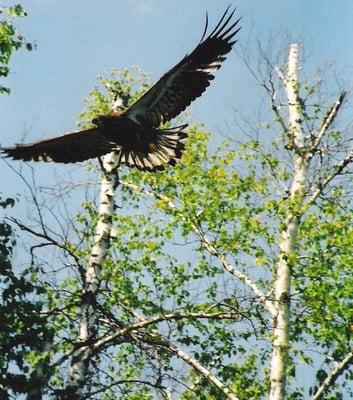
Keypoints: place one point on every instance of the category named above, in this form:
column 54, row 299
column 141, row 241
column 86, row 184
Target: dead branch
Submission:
column 327, row 122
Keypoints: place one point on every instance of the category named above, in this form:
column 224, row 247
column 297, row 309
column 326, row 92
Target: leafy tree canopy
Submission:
column 11, row 39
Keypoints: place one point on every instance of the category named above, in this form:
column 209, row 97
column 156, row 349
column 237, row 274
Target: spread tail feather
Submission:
column 166, row 148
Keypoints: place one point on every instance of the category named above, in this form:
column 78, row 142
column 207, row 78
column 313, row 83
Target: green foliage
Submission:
column 245, row 378
column 125, row 84
column 158, row 264
column 6, row 240
column 11, row 39
column 324, row 282
column 23, row 327
column 144, row 276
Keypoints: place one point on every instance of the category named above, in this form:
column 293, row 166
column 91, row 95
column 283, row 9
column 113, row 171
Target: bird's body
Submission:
column 142, row 145
column 135, row 132
column 117, row 128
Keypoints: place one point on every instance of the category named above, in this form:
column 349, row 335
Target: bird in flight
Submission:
column 135, row 132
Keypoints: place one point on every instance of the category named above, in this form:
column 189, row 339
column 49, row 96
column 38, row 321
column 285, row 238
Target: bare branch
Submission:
column 327, row 122
column 332, row 377
column 269, row 87
column 32, row 189
column 108, row 340
column 275, row 108
column 126, row 381
column 49, row 239
column 335, row 171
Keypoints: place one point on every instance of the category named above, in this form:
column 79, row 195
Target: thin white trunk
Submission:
column 288, row 236
column 88, row 323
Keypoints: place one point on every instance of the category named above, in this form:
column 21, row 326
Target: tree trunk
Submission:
column 79, row 370
column 282, row 284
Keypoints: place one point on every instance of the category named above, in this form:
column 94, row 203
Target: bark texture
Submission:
column 79, row 369
column 288, row 235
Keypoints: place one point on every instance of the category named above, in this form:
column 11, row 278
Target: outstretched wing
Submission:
column 68, row 148
column 189, row 78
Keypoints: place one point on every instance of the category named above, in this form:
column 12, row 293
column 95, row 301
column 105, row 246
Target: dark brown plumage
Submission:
column 135, row 131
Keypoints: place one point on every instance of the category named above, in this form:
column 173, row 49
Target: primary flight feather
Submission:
column 135, row 131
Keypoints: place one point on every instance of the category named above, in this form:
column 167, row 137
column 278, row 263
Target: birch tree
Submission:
column 270, row 226
column 228, row 276
column 287, row 240
column 80, row 363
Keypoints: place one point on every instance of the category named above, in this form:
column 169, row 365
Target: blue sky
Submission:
column 79, row 40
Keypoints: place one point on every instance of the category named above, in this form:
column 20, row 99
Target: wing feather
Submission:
column 70, row 147
column 189, row 78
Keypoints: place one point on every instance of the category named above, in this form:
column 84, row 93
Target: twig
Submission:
column 327, row 122
column 49, row 239
column 108, row 340
column 336, row 170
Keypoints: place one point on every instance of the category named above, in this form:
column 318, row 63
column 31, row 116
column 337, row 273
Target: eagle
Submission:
column 136, row 132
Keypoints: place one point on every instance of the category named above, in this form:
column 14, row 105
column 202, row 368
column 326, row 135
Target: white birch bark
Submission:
column 282, row 286
column 88, row 320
